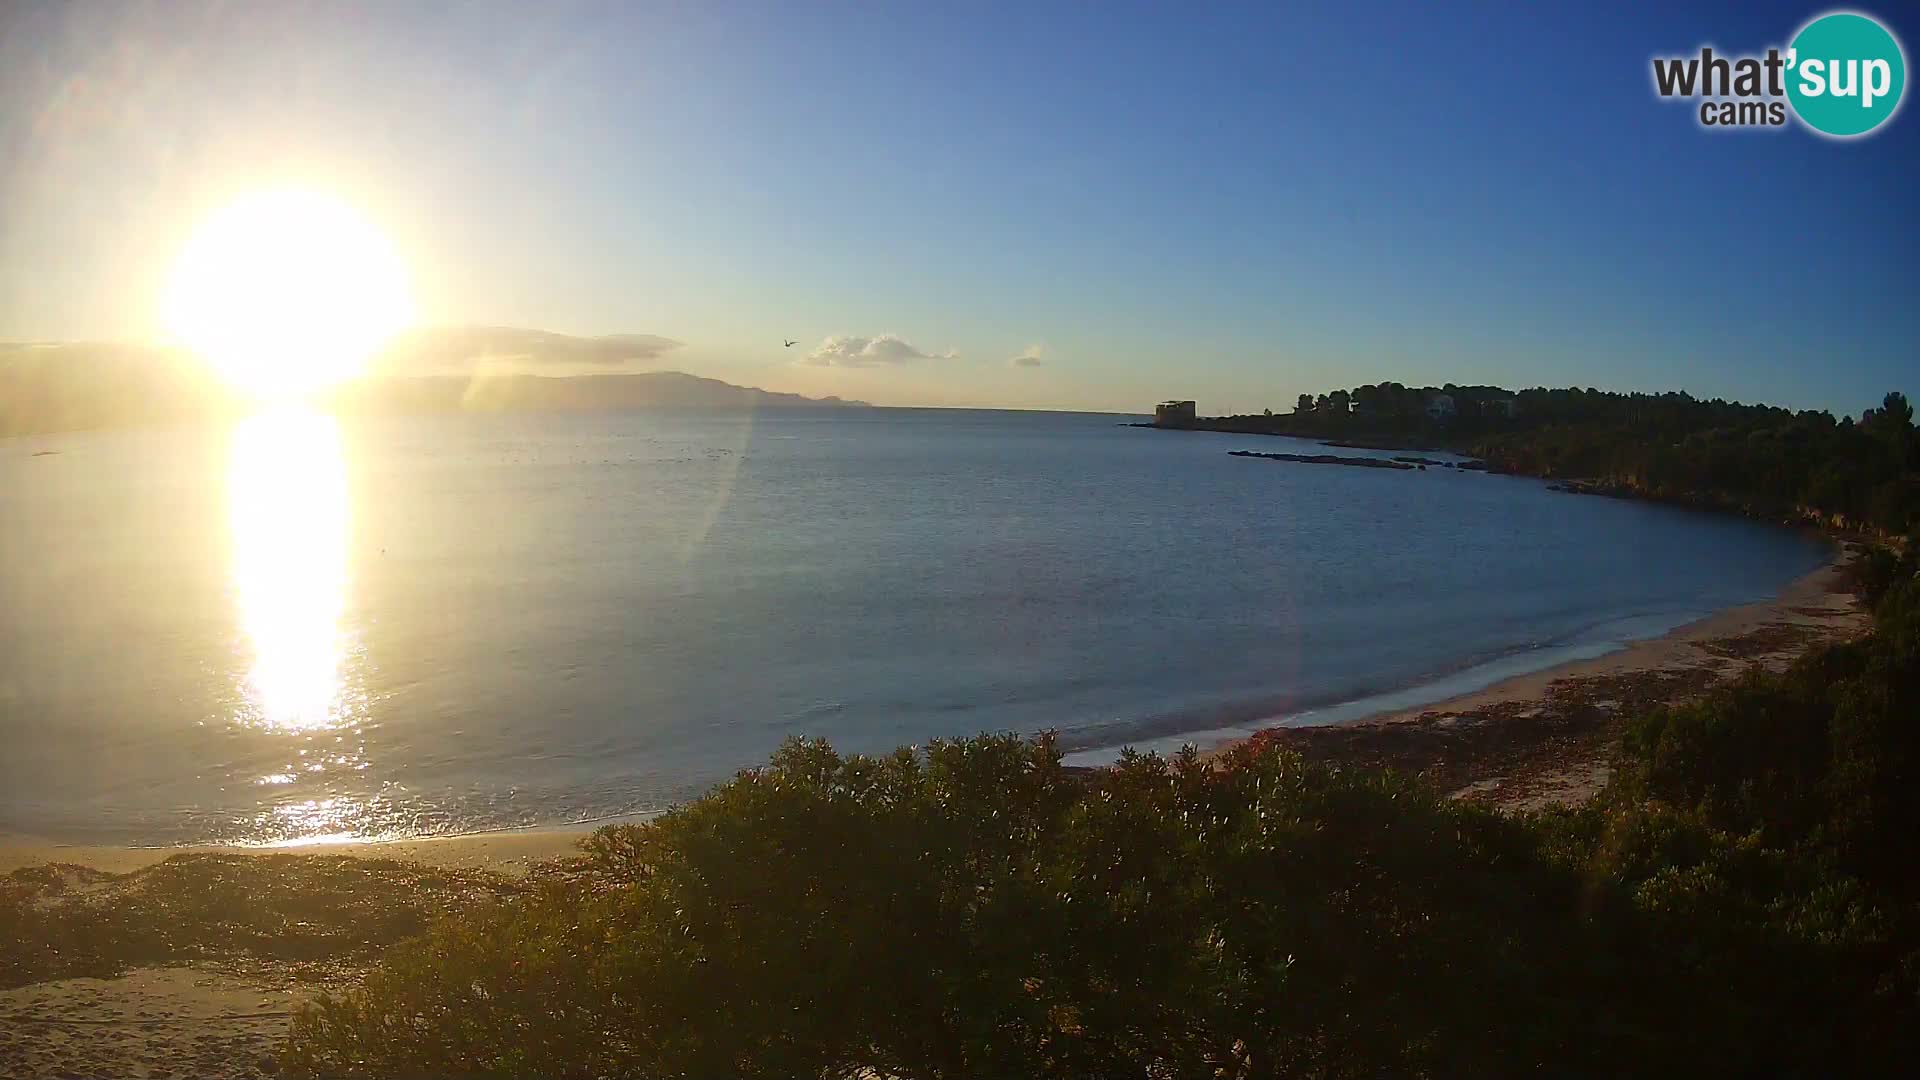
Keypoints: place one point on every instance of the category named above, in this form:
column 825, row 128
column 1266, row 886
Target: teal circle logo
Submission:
column 1845, row 74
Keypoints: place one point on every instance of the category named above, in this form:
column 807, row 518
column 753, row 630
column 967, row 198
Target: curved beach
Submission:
column 1814, row 607
column 1539, row 738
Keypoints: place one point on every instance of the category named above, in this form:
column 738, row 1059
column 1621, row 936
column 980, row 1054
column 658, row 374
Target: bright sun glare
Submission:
column 287, row 292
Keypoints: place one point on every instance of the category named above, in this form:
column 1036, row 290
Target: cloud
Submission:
column 460, row 348
column 887, row 349
column 1029, row 357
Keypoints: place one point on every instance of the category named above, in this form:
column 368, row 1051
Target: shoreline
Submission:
column 1523, row 674
column 507, row 851
column 1541, row 738
column 1786, row 607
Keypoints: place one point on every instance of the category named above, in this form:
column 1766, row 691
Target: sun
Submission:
column 287, row 292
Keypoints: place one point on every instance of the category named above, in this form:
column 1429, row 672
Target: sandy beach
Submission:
column 220, row 1018
column 1543, row 737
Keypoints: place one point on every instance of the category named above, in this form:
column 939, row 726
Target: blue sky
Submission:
column 1235, row 203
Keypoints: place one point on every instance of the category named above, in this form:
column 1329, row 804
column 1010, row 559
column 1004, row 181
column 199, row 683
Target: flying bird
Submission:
column 790, row 344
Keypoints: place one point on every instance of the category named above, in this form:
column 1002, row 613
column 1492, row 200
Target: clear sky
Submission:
column 1235, row 204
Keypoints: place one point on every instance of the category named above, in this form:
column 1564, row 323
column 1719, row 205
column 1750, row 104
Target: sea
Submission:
column 297, row 629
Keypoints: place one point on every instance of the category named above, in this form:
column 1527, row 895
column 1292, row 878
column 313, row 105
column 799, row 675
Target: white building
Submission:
column 1440, row 406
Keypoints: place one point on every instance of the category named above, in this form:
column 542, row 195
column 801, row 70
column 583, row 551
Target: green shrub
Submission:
column 985, row 912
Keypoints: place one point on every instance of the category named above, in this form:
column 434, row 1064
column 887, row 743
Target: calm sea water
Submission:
column 303, row 629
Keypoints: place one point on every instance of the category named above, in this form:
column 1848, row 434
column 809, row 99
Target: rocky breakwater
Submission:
column 1328, row 459
column 1423, row 462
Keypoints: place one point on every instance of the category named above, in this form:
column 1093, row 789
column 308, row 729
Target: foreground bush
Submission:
column 984, row 912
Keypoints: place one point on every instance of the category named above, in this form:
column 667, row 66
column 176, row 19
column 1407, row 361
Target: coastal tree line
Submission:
column 1856, row 473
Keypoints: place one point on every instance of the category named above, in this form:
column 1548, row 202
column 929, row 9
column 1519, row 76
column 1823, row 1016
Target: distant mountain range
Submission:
column 540, row 393
column 78, row 386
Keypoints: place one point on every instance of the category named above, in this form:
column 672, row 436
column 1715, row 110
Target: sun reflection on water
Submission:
column 288, row 499
column 288, row 503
